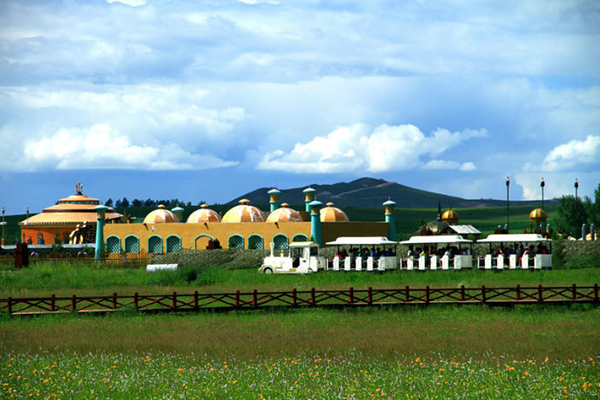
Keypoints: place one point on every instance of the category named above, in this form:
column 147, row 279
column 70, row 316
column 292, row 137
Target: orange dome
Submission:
column 333, row 214
column 204, row 214
column 244, row 213
column 538, row 215
column 285, row 214
column 450, row 216
column 160, row 216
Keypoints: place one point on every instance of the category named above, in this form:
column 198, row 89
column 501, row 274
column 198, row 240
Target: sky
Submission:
column 204, row 101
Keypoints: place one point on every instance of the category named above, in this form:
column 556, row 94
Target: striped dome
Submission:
column 333, row 214
column 285, row 214
column 204, row 214
column 244, row 213
column 160, row 216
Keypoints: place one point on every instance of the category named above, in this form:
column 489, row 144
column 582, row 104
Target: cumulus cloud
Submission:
column 132, row 3
column 102, row 147
column 576, row 152
column 386, row 148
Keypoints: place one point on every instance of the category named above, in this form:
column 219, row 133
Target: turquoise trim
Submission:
column 154, row 244
column 300, row 238
column 113, row 244
column 281, row 241
column 232, row 243
column 132, row 244
column 173, row 246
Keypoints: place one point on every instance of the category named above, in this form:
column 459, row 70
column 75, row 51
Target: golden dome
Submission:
column 450, row 216
column 244, row 213
column 333, row 214
column 285, row 214
column 538, row 215
column 160, row 216
column 204, row 214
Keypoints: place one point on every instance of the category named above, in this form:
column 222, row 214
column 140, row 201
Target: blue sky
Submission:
column 206, row 100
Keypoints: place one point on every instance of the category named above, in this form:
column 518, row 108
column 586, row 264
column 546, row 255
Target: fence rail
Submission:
column 309, row 298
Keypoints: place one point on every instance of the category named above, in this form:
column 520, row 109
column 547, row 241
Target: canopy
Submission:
column 365, row 240
column 436, row 239
column 522, row 237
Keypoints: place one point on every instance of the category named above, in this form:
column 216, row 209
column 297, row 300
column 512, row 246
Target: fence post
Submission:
column 518, row 292
column 114, row 300
column 574, row 292
column 407, row 295
column 174, row 300
column 483, row 293
column 195, row 299
column 351, row 295
column 370, row 296
column 540, row 293
column 312, row 297
column 426, row 294
column 462, row 292
column 135, row 300
column 237, row 298
column 595, row 292
column 74, row 303
column 254, row 299
column 53, row 302
column 9, row 305
column 294, row 298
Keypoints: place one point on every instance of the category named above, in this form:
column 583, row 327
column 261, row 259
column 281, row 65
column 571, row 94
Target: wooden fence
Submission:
column 177, row 302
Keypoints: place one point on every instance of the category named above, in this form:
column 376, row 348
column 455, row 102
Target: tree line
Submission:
column 125, row 203
column 573, row 212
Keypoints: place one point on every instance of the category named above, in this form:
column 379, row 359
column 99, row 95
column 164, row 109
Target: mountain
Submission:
column 370, row 193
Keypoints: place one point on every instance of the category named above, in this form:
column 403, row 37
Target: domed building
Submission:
column 161, row 216
column 538, row 218
column 450, row 216
column 243, row 213
column 204, row 214
column 333, row 214
column 75, row 213
column 285, row 214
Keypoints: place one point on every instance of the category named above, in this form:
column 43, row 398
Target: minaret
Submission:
column 390, row 207
column 274, row 199
column 315, row 221
column 309, row 195
column 101, row 210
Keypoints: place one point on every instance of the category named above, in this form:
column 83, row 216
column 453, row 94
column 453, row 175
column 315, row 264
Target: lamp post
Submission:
column 507, row 203
column 3, row 223
column 576, row 187
column 543, row 184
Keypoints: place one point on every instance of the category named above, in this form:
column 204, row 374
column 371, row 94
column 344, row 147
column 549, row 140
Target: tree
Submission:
column 572, row 214
column 109, row 203
column 124, row 202
column 136, row 203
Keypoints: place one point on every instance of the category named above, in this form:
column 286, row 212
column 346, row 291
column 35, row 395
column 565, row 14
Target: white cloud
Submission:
column 101, row 147
column 132, row 3
column 386, row 148
column 576, row 152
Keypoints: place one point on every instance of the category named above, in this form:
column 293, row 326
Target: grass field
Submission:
column 420, row 352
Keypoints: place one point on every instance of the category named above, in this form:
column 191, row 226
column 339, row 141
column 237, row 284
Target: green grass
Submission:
column 83, row 279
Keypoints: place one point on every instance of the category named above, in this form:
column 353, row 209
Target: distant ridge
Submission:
column 370, row 193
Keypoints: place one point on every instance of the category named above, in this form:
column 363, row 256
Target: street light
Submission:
column 3, row 223
column 576, row 187
column 542, row 185
column 507, row 203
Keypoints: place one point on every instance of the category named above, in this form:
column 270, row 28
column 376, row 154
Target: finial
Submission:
column 79, row 188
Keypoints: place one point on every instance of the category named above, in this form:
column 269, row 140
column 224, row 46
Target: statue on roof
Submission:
column 79, row 188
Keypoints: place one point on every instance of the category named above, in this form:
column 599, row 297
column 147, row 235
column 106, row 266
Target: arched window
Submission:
column 155, row 244
column 202, row 241
column 173, row 244
column 236, row 242
column 256, row 242
column 113, row 244
column 281, row 241
column 300, row 238
column 132, row 244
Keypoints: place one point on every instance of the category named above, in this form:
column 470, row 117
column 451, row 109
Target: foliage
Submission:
column 571, row 215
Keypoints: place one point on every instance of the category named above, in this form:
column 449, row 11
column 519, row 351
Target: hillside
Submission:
column 369, row 192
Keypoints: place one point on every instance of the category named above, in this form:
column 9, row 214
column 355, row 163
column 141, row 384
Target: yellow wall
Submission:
column 188, row 233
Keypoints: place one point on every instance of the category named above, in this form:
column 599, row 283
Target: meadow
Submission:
column 527, row 351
